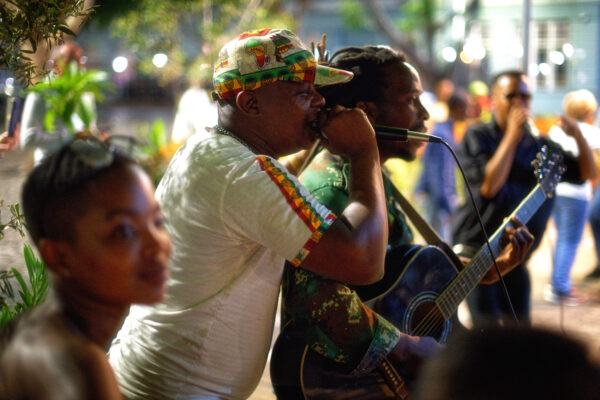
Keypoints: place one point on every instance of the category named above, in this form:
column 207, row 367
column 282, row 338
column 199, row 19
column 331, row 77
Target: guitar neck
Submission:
column 449, row 300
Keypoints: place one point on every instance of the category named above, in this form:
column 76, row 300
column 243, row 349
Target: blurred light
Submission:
column 580, row 53
column 568, row 49
column 474, row 50
column 160, row 60
column 449, row 54
column 457, row 29
column 534, row 69
column 557, row 57
column 518, row 50
column 49, row 66
column 9, row 88
column 465, row 58
column 119, row 64
column 459, row 6
column 545, row 69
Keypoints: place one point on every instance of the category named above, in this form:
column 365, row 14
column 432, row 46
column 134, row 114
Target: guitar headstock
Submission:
column 548, row 168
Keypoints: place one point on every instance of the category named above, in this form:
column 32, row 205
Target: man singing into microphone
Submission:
column 497, row 159
column 331, row 317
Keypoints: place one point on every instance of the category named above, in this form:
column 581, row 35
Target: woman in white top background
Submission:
column 572, row 201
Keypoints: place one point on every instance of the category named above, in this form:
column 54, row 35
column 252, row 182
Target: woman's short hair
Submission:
column 578, row 104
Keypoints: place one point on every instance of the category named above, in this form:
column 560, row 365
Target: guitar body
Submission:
column 320, row 378
column 405, row 296
column 410, row 302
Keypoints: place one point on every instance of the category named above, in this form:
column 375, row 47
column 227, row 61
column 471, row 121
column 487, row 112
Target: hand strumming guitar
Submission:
column 411, row 351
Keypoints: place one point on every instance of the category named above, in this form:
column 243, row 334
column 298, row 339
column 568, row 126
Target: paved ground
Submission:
column 582, row 321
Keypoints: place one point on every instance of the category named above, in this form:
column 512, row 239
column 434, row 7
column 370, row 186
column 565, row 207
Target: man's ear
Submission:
column 247, row 102
column 370, row 109
column 55, row 255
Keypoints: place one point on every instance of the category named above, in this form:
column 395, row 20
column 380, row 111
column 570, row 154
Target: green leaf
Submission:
column 6, row 315
column 85, row 112
column 38, row 277
column 33, row 45
column 25, row 293
column 65, row 29
column 49, row 118
column 158, row 134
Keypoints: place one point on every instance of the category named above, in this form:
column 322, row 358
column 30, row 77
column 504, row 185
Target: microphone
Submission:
column 403, row 135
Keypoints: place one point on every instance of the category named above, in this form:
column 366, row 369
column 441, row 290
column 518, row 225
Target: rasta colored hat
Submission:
column 257, row 58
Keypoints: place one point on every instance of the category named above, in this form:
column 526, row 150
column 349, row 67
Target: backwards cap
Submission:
column 257, row 58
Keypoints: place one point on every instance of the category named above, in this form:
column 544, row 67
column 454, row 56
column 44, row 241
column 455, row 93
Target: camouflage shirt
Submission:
column 332, row 318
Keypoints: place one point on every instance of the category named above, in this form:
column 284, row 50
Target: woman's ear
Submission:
column 55, row 256
column 247, row 102
column 370, row 109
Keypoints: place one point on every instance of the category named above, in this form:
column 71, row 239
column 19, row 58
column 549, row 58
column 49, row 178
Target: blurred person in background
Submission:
column 7, row 143
column 594, row 219
column 437, row 184
column 196, row 109
column 34, row 135
column 496, row 158
column 498, row 363
column 570, row 210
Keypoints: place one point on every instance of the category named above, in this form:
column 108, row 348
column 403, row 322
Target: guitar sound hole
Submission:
column 425, row 319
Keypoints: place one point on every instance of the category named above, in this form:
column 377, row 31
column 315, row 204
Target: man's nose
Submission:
column 318, row 100
column 423, row 113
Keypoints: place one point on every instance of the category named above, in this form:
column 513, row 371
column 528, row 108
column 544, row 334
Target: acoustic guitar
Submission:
column 420, row 295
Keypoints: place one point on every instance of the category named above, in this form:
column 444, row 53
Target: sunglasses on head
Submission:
column 523, row 96
column 98, row 154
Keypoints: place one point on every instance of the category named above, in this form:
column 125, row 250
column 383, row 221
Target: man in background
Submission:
column 496, row 158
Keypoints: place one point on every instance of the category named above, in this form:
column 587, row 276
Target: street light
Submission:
column 160, row 60
column 120, row 64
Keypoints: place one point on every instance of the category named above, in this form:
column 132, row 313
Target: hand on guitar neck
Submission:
column 516, row 242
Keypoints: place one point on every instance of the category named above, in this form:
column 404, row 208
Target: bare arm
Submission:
column 353, row 248
column 587, row 167
column 8, row 143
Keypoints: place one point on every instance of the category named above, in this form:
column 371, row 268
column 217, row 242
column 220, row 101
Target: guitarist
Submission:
column 497, row 159
column 330, row 316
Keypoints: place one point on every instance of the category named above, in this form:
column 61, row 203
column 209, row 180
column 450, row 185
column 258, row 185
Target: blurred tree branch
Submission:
column 29, row 29
column 189, row 32
column 417, row 16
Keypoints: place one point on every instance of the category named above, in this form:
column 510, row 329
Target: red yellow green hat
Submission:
column 257, row 58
